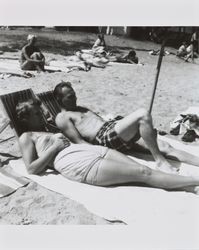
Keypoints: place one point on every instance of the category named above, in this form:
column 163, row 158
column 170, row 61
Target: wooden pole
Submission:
column 157, row 74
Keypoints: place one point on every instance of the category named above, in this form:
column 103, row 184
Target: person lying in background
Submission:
column 86, row 163
column 92, row 60
column 131, row 58
column 31, row 56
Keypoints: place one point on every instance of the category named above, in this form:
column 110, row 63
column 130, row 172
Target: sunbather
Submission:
column 190, row 52
column 99, row 45
column 130, row 133
column 129, row 58
column 92, row 60
column 96, row 165
column 31, row 56
column 182, row 51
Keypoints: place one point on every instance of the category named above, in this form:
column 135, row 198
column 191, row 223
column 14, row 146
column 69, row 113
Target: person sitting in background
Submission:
column 182, row 51
column 99, row 46
column 190, row 52
column 31, row 56
column 126, row 134
column 195, row 40
column 94, row 165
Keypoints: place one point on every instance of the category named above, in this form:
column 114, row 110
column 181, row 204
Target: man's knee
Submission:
column 144, row 115
column 36, row 55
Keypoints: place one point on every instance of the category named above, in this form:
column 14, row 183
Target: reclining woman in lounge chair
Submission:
column 31, row 56
column 95, row 165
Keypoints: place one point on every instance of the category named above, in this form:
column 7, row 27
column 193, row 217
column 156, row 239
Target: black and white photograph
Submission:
column 99, row 126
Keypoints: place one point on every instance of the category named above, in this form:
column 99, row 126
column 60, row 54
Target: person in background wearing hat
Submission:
column 31, row 56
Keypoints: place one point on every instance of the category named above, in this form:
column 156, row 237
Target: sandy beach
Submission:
column 117, row 90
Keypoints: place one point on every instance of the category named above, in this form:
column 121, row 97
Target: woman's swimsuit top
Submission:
column 43, row 140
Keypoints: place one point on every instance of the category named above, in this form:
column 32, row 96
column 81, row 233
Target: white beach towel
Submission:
column 10, row 181
column 142, row 207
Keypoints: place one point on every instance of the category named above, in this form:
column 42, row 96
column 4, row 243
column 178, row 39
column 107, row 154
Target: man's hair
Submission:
column 58, row 91
column 132, row 53
column 23, row 112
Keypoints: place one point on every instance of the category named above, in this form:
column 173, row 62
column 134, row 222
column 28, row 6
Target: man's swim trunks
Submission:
column 108, row 137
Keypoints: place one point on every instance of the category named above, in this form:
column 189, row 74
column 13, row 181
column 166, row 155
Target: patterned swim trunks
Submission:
column 108, row 137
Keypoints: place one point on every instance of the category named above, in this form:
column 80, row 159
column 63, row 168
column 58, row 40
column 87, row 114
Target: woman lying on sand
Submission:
column 95, row 165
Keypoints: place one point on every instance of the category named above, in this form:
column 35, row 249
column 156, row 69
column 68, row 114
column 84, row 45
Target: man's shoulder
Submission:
column 63, row 114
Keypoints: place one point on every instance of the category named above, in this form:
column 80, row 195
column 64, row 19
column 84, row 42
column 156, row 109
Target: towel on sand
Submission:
column 10, row 181
column 11, row 67
column 142, row 207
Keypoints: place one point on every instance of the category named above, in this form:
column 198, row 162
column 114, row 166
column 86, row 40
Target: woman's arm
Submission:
column 34, row 164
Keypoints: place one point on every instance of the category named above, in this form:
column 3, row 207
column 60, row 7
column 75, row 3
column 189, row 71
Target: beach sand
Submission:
column 117, row 89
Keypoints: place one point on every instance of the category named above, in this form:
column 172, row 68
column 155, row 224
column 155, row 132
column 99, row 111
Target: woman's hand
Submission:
column 60, row 142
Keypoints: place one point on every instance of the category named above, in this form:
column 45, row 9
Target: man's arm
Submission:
column 66, row 125
column 24, row 52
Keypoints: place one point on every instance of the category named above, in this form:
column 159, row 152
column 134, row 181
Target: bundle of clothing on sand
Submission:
column 186, row 124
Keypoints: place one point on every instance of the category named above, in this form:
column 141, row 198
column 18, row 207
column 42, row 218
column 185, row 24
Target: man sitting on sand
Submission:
column 31, row 56
column 125, row 134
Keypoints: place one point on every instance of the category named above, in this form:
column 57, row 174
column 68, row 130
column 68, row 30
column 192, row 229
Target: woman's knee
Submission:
column 144, row 173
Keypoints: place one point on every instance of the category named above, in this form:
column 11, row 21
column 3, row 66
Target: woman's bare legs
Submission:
column 116, row 168
column 141, row 121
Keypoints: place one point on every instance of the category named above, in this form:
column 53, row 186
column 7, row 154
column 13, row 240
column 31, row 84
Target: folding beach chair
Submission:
column 48, row 100
column 8, row 104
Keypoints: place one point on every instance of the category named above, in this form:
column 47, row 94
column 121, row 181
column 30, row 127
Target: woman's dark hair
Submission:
column 23, row 112
column 58, row 91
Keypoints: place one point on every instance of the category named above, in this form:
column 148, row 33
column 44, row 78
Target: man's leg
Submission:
column 141, row 122
column 27, row 65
